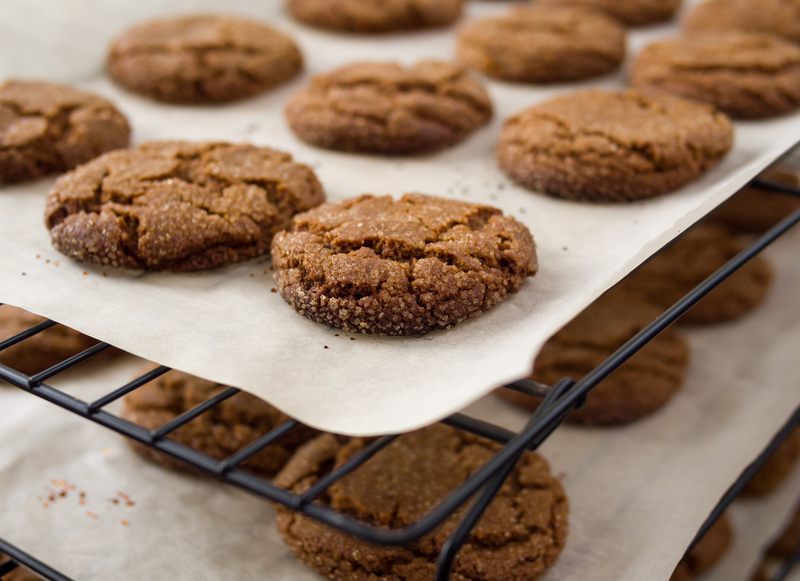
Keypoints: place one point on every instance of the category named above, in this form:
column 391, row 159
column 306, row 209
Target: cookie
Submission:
column 744, row 75
column 202, row 59
column 368, row 16
column 602, row 146
column 789, row 540
column 42, row 351
column 755, row 210
column 707, row 552
column 405, row 267
column 641, row 386
column 388, row 108
column 692, row 258
column 519, row 536
column 220, row 432
column 775, row 17
column 543, row 44
column 631, row 12
column 19, row 574
column 178, row 206
column 777, row 468
column 47, row 128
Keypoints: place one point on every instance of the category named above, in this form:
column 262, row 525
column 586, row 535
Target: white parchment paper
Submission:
column 637, row 494
column 227, row 326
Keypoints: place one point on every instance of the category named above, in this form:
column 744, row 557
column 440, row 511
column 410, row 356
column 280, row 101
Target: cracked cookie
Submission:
column 639, row 387
column 745, row 75
column 777, row 468
column 368, row 16
column 775, row 17
column 220, row 432
column 707, row 552
column 177, row 205
column 543, row 44
column 406, row 267
column 41, row 351
column 688, row 261
column 47, row 128
column 606, row 146
column 630, row 12
column 202, row 59
column 388, row 108
column 520, row 535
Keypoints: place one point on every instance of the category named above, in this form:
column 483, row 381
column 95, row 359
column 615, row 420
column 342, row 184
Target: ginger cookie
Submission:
column 387, row 108
column 630, row 12
column 520, row 535
column 688, row 261
column 777, row 468
column 47, row 128
column 707, row 552
column 405, row 267
column 543, row 44
column 368, row 16
column 220, row 432
column 42, row 351
column 742, row 74
column 754, row 210
column 775, row 17
column 639, row 387
column 606, row 146
column 786, row 544
column 202, row 59
column 177, row 205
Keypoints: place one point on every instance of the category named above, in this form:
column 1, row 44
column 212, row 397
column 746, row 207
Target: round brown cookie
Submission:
column 631, row 12
column 707, row 552
column 519, row 536
column 177, row 205
column 692, row 258
column 202, row 59
column 388, row 108
column 375, row 265
column 742, row 74
column 776, row 17
column 543, row 44
column 786, row 544
column 604, row 146
column 777, row 468
column 368, row 16
column 41, row 351
column 46, row 128
column 220, row 432
column 756, row 210
column 641, row 386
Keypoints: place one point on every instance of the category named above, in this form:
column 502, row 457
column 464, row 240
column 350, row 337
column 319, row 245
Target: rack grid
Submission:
column 558, row 400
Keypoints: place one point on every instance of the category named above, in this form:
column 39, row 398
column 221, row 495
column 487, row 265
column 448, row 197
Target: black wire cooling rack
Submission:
column 557, row 401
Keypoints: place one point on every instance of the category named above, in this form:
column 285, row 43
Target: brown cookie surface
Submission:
column 46, row 128
column 220, row 432
column 631, row 12
column 41, row 351
column 178, row 205
column 776, row 17
column 777, row 468
column 605, row 146
column 202, row 59
column 368, row 16
column 376, row 265
column 745, row 75
column 520, row 535
column 692, row 258
column 19, row 574
column 388, row 108
column 543, row 44
column 756, row 210
column 707, row 552
column 639, row 387
column 786, row 544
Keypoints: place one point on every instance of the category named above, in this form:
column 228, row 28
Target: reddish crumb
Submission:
column 47, row 505
column 352, row 338
column 91, row 514
column 52, row 497
column 265, row 272
column 251, row 274
column 47, row 260
column 336, row 335
column 326, row 346
column 38, row 256
column 83, row 502
column 82, row 494
column 63, row 493
column 125, row 522
column 114, row 500
column 130, row 503
column 85, row 273
column 273, row 290
column 55, row 264
column 104, row 274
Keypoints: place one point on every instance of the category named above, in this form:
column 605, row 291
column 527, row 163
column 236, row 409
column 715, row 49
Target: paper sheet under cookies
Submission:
column 227, row 326
column 637, row 494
